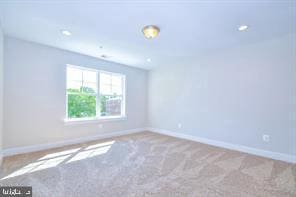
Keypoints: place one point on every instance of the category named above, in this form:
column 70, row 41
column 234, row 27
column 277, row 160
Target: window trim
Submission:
column 93, row 120
column 98, row 117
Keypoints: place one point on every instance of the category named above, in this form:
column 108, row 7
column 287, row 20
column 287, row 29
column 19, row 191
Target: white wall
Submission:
column 233, row 96
column 1, row 91
column 34, row 95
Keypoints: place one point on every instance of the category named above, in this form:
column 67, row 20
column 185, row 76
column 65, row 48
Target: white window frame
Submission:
column 98, row 114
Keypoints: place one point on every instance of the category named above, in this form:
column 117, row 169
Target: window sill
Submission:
column 75, row 121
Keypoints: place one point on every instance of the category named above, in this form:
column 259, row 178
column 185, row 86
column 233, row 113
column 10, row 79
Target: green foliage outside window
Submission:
column 81, row 103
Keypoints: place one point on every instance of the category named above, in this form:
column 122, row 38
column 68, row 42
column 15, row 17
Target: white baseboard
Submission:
column 245, row 149
column 39, row 147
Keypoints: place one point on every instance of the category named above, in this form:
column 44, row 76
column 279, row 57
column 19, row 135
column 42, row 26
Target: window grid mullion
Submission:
column 98, row 99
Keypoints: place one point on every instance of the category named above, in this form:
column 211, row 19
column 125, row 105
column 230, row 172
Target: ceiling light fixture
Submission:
column 148, row 60
column 243, row 28
column 150, row 31
column 66, row 32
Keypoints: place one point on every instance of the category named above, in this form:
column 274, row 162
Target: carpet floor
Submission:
column 148, row 164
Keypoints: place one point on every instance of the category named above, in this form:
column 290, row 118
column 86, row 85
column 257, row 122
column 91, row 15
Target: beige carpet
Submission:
column 148, row 164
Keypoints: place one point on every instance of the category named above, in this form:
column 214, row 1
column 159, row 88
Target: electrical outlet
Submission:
column 265, row 138
column 179, row 125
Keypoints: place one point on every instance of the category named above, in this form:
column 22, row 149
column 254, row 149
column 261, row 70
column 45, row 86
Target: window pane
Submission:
column 106, row 89
column 81, row 106
column 105, row 79
column 74, row 86
column 74, row 74
column 116, row 80
column 89, row 87
column 110, row 105
column 90, row 76
column 110, row 84
column 116, row 90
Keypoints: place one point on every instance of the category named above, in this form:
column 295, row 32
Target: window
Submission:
column 111, row 94
column 93, row 94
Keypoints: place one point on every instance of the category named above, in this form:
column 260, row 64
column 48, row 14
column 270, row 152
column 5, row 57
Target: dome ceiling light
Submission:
column 150, row 31
column 66, row 32
column 243, row 28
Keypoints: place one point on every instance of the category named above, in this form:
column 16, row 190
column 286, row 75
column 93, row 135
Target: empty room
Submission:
column 146, row 98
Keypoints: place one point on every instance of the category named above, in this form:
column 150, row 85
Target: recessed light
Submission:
column 66, row 32
column 148, row 60
column 243, row 28
column 150, row 31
